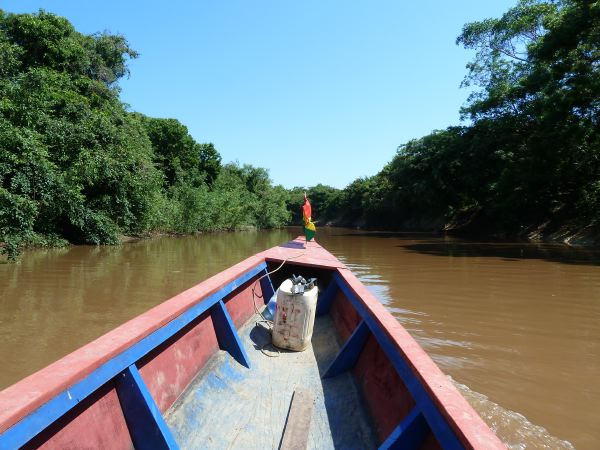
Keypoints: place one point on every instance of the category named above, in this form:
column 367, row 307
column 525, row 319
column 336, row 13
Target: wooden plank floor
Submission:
column 297, row 426
column 229, row 407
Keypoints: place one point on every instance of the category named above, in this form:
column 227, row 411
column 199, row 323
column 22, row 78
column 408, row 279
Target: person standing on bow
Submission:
column 309, row 226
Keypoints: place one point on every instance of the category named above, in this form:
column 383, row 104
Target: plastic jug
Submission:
column 295, row 313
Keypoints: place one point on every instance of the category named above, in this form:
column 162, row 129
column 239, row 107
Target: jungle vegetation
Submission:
column 529, row 154
column 77, row 166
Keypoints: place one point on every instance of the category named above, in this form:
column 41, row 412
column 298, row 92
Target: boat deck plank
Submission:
column 297, row 427
column 230, row 406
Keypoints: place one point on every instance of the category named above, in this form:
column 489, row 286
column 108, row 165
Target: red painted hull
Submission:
column 97, row 421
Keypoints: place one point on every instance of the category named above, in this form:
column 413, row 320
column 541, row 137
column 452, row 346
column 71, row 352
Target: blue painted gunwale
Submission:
column 227, row 335
column 424, row 403
column 145, row 422
column 30, row 426
column 426, row 407
column 409, row 434
column 348, row 355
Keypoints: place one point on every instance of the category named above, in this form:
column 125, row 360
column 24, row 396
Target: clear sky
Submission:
column 316, row 91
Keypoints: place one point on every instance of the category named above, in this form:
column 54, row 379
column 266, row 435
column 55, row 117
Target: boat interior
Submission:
column 228, row 405
column 199, row 371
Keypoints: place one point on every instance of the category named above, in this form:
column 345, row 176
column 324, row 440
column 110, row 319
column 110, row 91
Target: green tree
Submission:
column 179, row 156
column 538, row 70
column 531, row 152
column 68, row 149
column 325, row 203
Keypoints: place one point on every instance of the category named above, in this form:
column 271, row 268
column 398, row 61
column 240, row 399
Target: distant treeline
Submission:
column 77, row 166
column 529, row 158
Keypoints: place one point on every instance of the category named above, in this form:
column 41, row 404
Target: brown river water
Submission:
column 516, row 326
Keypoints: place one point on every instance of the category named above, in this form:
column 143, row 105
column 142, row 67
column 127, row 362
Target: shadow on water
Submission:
column 507, row 251
column 389, row 234
column 437, row 244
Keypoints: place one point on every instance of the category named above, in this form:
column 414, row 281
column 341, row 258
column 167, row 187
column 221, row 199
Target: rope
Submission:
column 254, row 294
column 275, row 355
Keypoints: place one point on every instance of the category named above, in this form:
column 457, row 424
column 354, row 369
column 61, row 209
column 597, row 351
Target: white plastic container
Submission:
column 294, row 317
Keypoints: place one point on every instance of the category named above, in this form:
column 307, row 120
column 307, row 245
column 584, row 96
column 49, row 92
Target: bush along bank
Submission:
column 77, row 167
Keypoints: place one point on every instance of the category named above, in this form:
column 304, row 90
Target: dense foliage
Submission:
column 531, row 152
column 76, row 166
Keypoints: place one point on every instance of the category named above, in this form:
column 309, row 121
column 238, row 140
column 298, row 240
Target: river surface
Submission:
column 516, row 326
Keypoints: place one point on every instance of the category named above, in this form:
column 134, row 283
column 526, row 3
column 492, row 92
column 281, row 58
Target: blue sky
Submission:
column 315, row 91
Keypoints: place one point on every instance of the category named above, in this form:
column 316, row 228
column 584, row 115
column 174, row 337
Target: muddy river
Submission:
column 516, row 326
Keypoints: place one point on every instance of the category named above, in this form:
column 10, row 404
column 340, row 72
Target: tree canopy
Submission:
column 530, row 154
column 77, row 166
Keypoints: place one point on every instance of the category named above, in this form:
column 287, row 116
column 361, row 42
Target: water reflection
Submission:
column 54, row 301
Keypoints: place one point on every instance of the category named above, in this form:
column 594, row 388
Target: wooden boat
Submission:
column 196, row 372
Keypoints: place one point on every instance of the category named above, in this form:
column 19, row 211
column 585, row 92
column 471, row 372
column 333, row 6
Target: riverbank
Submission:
column 570, row 234
column 553, row 230
column 130, row 239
